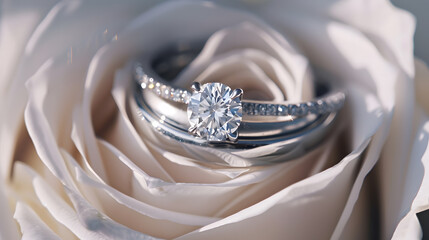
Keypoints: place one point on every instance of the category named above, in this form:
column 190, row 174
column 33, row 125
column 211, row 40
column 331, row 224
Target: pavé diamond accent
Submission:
column 262, row 109
column 322, row 105
column 215, row 112
column 271, row 110
column 282, row 110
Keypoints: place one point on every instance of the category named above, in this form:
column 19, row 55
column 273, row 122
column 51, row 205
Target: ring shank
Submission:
column 324, row 104
column 175, row 114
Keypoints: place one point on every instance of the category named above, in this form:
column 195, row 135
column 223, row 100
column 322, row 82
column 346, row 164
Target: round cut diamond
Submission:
column 215, row 112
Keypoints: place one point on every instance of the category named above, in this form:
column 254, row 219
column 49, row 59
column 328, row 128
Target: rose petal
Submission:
column 37, row 123
column 415, row 197
column 8, row 229
column 394, row 43
column 295, row 83
column 416, row 182
column 32, row 227
column 25, row 193
column 87, row 223
column 43, row 43
column 145, row 216
column 289, row 211
column 27, row 15
column 238, row 70
column 421, row 84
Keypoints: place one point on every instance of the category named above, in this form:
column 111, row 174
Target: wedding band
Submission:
column 308, row 134
column 246, row 152
column 215, row 111
column 176, row 114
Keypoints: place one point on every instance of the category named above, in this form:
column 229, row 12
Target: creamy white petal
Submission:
column 416, row 182
column 238, row 69
column 65, row 19
column 32, row 227
column 27, row 15
column 291, row 210
column 415, row 197
column 373, row 18
column 334, row 40
column 87, row 223
column 295, row 83
column 8, row 229
column 421, row 84
column 150, row 218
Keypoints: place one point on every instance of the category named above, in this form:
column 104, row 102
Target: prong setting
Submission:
column 237, row 93
column 196, row 87
column 192, row 130
column 232, row 136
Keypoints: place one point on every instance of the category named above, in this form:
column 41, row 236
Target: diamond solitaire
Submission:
column 215, row 112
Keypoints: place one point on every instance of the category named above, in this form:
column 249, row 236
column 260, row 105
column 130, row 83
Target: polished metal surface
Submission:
column 269, row 132
column 250, row 151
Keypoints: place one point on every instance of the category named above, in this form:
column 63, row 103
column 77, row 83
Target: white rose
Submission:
column 73, row 165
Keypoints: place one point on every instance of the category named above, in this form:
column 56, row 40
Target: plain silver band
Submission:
column 180, row 132
column 283, row 147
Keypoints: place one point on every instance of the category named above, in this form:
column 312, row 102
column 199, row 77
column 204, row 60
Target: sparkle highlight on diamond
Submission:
column 215, row 112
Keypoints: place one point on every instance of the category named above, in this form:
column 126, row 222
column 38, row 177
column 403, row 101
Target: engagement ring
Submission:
column 215, row 111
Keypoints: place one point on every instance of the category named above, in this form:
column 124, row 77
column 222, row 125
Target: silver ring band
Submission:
column 215, row 112
column 176, row 114
column 180, row 133
column 247, row 151
column 326, row 104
